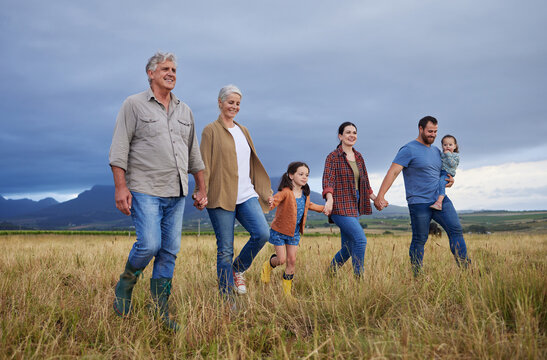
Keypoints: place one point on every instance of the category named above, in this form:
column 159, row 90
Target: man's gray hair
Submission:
column 158, row 58
column 227, row 90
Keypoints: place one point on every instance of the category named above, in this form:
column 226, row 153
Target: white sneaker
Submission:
column 239, row 281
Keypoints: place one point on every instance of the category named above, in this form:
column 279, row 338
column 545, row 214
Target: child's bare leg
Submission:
column 438, row 205
column 288, row 275
column 291, row 259
column 275, row 260
column 280, row 256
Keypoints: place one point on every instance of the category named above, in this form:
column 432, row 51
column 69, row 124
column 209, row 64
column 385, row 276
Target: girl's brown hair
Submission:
column 457, row 148
column 286, row 180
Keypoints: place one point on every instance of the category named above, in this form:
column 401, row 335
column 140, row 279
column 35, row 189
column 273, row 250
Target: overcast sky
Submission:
column 304, row 67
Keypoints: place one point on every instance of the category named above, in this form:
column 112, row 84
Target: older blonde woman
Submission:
column 238, row 187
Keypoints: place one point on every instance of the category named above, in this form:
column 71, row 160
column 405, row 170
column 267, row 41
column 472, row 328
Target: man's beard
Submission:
column 428, row 140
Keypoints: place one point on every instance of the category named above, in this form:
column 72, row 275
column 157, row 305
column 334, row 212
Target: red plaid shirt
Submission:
column 338, row 180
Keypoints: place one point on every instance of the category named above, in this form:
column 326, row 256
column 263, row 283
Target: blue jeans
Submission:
column 354, row 243
column 420, row 217
column 158, row 224
column 443, row 182
column 250, row 215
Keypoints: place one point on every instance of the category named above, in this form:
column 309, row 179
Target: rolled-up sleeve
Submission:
column 121, row 139
column 195, row 162
column 328, row 176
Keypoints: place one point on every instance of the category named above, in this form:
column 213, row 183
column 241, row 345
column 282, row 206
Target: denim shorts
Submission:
column 278, row 239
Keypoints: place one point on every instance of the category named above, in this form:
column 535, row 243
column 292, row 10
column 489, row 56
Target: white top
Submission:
column 245, row 188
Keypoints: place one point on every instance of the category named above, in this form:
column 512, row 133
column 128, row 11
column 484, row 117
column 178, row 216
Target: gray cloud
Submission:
column 304, row 67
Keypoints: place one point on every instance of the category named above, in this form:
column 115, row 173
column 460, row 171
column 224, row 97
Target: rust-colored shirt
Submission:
column 285, row 216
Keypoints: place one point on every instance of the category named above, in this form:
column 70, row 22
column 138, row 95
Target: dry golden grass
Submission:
column 56, row 297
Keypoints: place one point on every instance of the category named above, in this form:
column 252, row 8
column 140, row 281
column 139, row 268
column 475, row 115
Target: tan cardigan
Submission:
column 285, row 217
column 218, row 152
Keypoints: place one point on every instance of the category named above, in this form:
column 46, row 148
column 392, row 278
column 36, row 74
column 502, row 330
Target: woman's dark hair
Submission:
column 457, row 149
column 343, row 126
column 286, row 180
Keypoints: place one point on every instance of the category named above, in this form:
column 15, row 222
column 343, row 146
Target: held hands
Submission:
column 450, row 180
column 380, row 203
column 271, row 202
column 123, row 199
column 200, row 199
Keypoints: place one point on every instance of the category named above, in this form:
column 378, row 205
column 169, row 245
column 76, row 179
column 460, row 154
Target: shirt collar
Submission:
column 341, row 152
column 150, row 95
column 219, row 120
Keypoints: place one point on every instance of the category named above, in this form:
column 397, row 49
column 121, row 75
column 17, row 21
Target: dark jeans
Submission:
column 420, row 217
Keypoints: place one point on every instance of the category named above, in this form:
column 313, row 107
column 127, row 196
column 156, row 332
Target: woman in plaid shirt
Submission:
column 348, row 193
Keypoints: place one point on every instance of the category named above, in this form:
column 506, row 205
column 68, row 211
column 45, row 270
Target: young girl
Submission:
column 293, row 202
column 450, row 159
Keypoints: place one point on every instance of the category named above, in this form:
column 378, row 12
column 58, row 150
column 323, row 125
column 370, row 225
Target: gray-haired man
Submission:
column 153, row 149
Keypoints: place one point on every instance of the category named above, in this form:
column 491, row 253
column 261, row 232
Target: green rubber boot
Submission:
column 124, row 289
column 161, row 290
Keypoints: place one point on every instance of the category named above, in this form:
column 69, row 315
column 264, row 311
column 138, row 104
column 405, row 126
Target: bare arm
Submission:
column 122, row 195
column 392, row 173
column 328, row 204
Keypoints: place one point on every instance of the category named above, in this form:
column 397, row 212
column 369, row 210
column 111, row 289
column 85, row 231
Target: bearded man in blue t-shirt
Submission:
column 421, row 166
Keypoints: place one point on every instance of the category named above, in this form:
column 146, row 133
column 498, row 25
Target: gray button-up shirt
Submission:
column 156, row 149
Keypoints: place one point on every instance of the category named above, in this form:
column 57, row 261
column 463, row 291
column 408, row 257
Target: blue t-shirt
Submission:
column 422, row 168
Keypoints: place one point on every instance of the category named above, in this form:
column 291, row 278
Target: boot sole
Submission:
column 118, row 312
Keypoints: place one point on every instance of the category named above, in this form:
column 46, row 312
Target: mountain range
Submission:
column 12, row 208
column 94, row 209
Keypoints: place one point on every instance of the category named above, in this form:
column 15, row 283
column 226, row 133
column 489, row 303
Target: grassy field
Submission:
column 488, row 221
column 494, row 221
column 56, row 294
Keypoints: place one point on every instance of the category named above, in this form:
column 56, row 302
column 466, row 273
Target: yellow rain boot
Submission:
column 287, row 287
column 266, row 270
